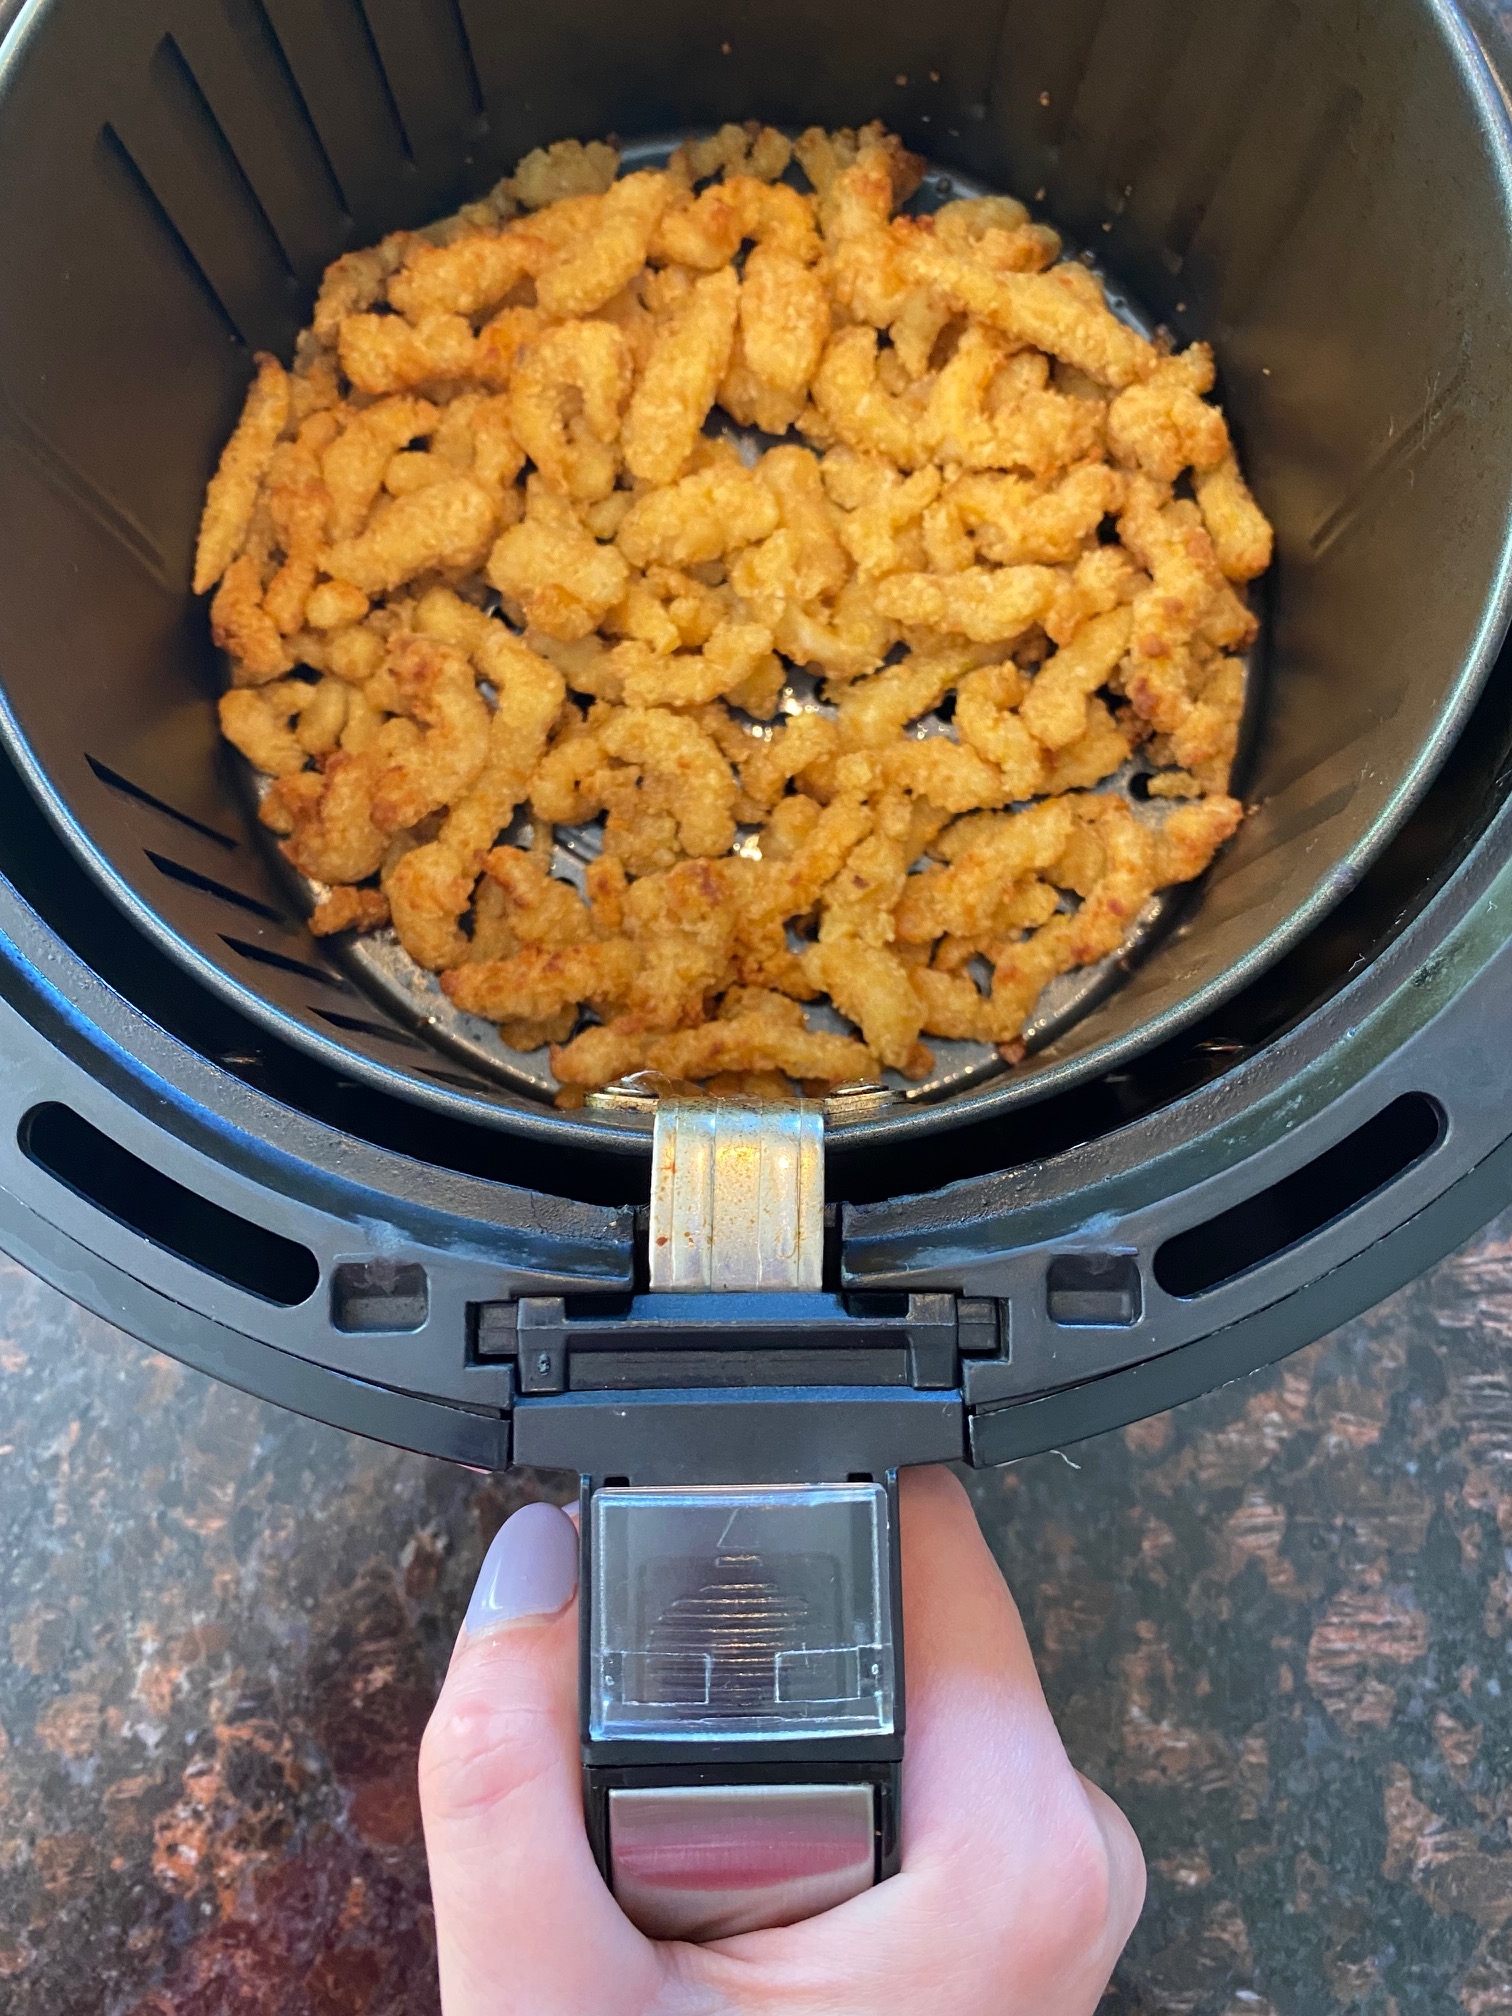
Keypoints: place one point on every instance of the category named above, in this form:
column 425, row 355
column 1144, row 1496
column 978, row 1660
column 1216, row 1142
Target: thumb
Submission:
column 524, row 1921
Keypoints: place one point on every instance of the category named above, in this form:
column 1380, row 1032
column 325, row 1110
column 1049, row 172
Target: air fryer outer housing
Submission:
column 1300, row 1099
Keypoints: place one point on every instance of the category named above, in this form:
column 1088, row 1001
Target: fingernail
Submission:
column 530, row 1570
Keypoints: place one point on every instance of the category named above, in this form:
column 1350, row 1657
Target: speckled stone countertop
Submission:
column 1274, row 1623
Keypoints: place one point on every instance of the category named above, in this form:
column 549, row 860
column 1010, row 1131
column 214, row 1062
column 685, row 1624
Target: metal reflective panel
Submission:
column 737, row 1195
column 706, row 1861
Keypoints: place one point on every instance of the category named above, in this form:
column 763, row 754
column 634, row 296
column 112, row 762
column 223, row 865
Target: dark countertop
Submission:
column 1274, row 1623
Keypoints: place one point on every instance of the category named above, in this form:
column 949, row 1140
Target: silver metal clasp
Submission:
column 737, row 1195
column 737, row 1185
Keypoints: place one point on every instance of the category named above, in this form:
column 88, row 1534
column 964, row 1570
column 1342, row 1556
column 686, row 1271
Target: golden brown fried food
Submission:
column 680, row 378
column 244, row 629
column 538, row 981
column 1055, row 708
column 232, row 496
column 990, row 605
column 446, row 526
column 346, row 909
column 563, row 580
column 1002, row 538
column 698, row 518
column 592, row 268
column 565, row 401
column 1239, row 530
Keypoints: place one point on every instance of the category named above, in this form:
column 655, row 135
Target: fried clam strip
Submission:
column 992, row 408
column 789, row 884
column 232, row 496
column 1011, row 520
column 853, row 961
column 434, row 686
column 744, row 1043
column 1188, row 612
column 592, row 269
column 354, row 464
column 784, row 324
column 872, row 713
column 554, row 570
column 242, row 628
column 1061, row 312
column 684, row 770
column 430, row 886
column 699, row 518
column 963, row 898
column 748, row 149
column 990, row 605
column 299, row 505
column 987, row 720
column 428, row 754
column 1164, row 425
column 446, row 526
column 680, row 378
column 1240, row 532
column 1135, row 862
column 538, row 982
column 477, row 271
column 737, row 659
column 1054, row 710
column 565, row 402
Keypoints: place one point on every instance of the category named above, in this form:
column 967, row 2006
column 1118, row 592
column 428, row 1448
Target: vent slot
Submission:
column 1319, row 1194
column 241, row 71
column 215, row 176
column 331, row 57
column 1094, row 1290
column 430, row 76
column 114, row 781
column 208, row 886
column 300, row 968
column 360, row 1026
column 369, row 1297
column 113, row 149
column 179, row 1221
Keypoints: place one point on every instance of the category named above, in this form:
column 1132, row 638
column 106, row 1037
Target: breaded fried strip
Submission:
column 681, row 376
column 1055, row 708
column 232, row 496
column 536, row 982
column 1049, row 310
column 448, row 525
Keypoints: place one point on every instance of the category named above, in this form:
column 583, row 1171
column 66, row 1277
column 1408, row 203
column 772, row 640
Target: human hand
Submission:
column 1020, row 1880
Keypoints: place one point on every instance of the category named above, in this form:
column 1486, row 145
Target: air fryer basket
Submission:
column 1320, row 192
column 280, row 1183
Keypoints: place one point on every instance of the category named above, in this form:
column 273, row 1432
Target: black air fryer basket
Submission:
column 212, row 1133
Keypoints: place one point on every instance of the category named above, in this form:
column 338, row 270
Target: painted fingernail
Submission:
column 530, row 1570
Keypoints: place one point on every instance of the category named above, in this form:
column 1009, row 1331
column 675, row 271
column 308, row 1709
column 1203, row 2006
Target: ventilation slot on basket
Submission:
column 114, row 781
column 207, row 884
column 300, row 968
column 1301, row 1204
column 360, row 1026
column 114, row 151
column 176, row 1219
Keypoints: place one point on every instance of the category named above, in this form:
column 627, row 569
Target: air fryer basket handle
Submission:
column 741, row 1680
column 742, row 1699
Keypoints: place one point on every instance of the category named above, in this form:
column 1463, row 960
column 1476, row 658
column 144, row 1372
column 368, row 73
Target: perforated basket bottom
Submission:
column 378, row 964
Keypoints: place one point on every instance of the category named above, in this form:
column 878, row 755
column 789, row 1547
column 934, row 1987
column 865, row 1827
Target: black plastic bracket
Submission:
column 560, row 1343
